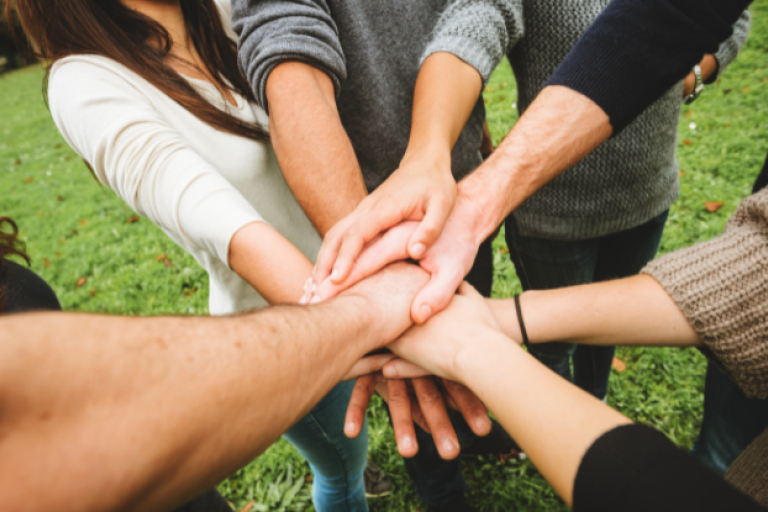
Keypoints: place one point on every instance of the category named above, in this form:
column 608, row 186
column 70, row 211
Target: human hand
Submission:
column 388, row 294
column 422, row 189
column 448, row 261
column 386, row 247
column 422, row 401
column 437, row 345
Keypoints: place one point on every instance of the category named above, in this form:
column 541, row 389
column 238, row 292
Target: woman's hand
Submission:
column 436, row 345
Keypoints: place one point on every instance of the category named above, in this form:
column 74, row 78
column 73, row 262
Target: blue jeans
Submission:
column 545, row 264
column 337, row 462
column 731, row 421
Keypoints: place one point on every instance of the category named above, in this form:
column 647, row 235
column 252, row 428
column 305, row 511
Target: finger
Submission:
column 402, row 369
column 436, row 295
column 358, row 404
column 388, row 248
column 418, row 417
column 470, row 406
column 367, row 365
column 432, row 405
column 360, row 233
column 430, row 228
column 402, row 422
column 467, row 290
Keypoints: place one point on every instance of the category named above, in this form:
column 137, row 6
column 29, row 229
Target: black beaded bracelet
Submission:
column 520, row 320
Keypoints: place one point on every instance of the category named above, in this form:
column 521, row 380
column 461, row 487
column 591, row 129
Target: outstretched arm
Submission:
column 116, row 413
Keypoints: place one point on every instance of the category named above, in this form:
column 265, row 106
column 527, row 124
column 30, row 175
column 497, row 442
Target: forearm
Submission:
column 632, row 311
column 148, row 411
column 559, row 128
column 269, row 262
column 446, row 92
column 313, row 149
column 553, row 421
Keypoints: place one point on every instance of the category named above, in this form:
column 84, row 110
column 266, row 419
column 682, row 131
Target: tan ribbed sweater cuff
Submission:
column 721, row 286
column 749, row 473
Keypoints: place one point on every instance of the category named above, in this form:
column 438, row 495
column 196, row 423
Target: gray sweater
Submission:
column 372, row 52
column 629, row 179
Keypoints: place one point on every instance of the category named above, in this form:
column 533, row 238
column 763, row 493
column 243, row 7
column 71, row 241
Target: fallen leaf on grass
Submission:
column 83, row 222
column 485, row 101
column 131, row 220
column 727, row 91
column 81, row 282
column 39, row 213
column 618, row 365
column 504, row 250
column 713, row 206
column 59, row 198
column 248, row 506
column 745, row 90
column 501, row 99
column 29, row 179
column 62, row 240
column 503, row 85
column 727, row 125
column 164, row 258
column 689, row 113
column 58, row 254
column 190, row 292
column 46, row 262
column 57, row 146
column 687, row 142
column 17, row 162
column 681, row 173
column 74, row 231
column 93, row 293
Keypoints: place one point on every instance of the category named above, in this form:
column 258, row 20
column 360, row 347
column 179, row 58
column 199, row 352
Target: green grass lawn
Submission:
column 87, row 244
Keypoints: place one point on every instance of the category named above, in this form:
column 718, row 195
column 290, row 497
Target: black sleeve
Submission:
column 637, row 469
column 637, row 49
column 24, row 290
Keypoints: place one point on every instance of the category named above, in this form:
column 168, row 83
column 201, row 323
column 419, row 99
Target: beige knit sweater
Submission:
column 721, row 286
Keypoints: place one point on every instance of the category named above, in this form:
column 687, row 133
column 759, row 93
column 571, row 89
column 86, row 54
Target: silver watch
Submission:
column 697, row 88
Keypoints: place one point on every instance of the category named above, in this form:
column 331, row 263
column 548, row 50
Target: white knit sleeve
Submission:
column 113, row 126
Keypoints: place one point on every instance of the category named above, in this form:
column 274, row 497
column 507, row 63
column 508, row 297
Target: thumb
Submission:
column 434, row 297
column 430, row 228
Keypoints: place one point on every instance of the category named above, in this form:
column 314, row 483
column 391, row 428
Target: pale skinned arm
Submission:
column 634, row 311
column 108, row 413
column 423, row 188
column 553, row 421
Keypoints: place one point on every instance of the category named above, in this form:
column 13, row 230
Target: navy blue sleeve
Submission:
column 637, row 49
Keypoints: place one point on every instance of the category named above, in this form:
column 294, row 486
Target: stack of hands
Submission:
column 419, row 376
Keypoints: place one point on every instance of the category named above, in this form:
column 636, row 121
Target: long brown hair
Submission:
column 60, row 28
column 9, row 244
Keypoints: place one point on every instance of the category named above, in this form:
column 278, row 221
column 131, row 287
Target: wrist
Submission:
column 472, row 362
column 436, row 153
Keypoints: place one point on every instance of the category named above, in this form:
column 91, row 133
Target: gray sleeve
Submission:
column 479, row 32
column 276, row 31
column 731, row 47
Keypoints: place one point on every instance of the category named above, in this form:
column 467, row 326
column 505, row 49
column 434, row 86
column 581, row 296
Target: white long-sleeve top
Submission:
column 198, row 184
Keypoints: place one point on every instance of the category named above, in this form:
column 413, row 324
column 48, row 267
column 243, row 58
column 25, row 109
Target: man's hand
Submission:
column 422, row 189
column 423, row 401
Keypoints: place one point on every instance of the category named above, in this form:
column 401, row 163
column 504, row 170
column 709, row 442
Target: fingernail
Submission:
column 335, row 275
column 425, row 312
column 406, row 443
column 314, row 288
column 450, row 445
column 315, row 300
column 418, row 250
column 482, row 423
column 351, row 427
column 388, row 372
column 303, row 301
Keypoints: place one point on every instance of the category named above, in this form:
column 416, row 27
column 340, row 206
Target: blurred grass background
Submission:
column 99, row 257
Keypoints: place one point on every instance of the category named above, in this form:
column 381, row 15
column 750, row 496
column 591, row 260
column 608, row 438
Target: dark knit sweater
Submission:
column 372, row 52
column 629, row 179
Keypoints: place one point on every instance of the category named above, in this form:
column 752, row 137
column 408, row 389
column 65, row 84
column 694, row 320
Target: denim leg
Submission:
column 620, row 255
column 546, row 264
column 439, row 481
column 337, row 462
column 731, row 421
